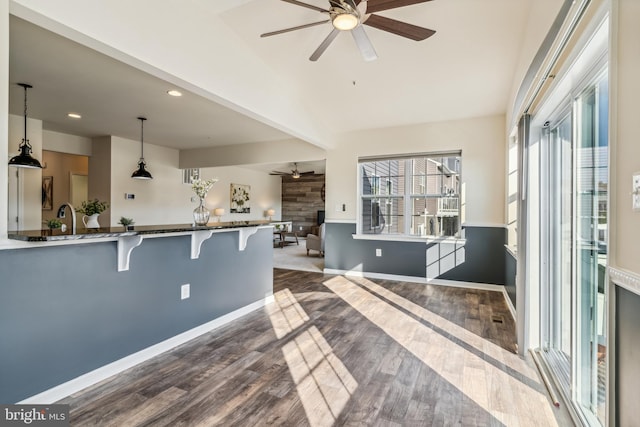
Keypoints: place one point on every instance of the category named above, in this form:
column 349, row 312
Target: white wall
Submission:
column 4, row 115
column 65, row 143
column 253, row 153
column 166, row 200
column 483, row 163
column 625, row 141
column 541, row 15
column 266, row 192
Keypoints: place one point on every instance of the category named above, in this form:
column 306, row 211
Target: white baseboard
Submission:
column 90, row 378
column 467, row 285
column 415, row 279
column 354, row 273
column 512, row 309
column 437, row 282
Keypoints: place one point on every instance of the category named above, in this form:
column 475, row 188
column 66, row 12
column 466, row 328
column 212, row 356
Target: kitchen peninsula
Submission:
column 82, row 319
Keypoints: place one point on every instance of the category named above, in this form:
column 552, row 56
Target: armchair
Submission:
column 316, row 243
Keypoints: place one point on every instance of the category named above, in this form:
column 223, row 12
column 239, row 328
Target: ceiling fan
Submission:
column 295, row 174
column 351, row 15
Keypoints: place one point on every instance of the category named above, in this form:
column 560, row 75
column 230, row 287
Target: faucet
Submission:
column 61, row 213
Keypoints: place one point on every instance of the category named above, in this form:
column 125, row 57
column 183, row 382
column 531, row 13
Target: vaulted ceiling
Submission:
column 465, row 70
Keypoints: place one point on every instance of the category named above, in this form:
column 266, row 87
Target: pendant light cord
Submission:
column 142, row 139
column 26, row 87
column 142, row 119
column 25, row 114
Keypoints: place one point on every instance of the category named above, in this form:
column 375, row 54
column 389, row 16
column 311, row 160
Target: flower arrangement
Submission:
column 202, row 186
column 92, row 207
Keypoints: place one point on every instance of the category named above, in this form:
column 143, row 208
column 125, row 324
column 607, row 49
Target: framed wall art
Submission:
column 240, row 198
column 47, row 193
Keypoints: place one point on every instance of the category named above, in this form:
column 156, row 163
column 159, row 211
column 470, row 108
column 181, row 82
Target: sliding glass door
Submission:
column 574, row 255
column 560, row 227
column 591, row 198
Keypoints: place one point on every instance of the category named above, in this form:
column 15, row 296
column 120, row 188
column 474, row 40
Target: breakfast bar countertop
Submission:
column 119, row 231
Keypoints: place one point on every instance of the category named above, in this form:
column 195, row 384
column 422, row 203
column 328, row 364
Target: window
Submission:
column 417, row 196
column 188, row 175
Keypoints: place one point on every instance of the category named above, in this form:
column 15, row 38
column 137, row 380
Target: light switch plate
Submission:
column 635, row 192
column 185, row 291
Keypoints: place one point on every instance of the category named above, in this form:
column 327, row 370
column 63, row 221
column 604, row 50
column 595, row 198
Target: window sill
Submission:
column 412, row 239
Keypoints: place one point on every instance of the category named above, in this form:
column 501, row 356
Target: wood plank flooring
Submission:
column 340, row 351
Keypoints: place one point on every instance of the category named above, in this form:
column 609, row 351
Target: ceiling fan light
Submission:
column 295, row 175
column 345, row 21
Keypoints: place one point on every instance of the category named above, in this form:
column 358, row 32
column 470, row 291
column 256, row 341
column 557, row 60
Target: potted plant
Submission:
column 90, row 210
column 127, row 223
column 53, row 224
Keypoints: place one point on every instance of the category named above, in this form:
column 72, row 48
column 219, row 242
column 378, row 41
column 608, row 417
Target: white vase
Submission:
column 90, row 221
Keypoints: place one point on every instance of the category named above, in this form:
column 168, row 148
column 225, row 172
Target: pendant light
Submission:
column 141, row 172
column 24, row 159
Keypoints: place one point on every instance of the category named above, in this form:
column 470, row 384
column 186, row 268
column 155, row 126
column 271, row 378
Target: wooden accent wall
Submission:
column 301, row 201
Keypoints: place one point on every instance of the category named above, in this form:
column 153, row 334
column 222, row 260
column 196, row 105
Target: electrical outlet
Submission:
column 185, row 291
column 378, row 252
column 635, row 192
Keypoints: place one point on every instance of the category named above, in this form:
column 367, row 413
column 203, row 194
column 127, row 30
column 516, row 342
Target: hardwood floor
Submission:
column 337, row 351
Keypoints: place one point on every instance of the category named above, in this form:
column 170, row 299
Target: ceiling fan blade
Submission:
column 324, row 45
column 279, row 173
column 374, row 6
column 338, row 3
column 299, row 27
column 307, row 173
column 364, row 44
column 308, row 6
column 400, row 28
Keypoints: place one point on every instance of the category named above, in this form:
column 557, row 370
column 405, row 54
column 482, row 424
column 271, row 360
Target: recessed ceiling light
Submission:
column 174, row 92
column 74, row 115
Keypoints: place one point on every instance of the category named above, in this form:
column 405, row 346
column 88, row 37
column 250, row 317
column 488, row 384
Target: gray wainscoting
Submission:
column 65, row 310
column 627, row 343
column 484, row 256
column 511, row 267
column 342, row 252
column 479, row 258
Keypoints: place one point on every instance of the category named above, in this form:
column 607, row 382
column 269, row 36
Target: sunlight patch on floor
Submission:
column 485, row 384
column 285, row 313
column 323, row 382
column 460, row 333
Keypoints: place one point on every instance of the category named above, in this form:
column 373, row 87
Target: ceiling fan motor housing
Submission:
column 352, row 15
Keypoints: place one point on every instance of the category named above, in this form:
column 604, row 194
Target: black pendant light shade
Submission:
column 24, row 159
column 141, row 172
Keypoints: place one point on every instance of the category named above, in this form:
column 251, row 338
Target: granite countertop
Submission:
column 96, row 233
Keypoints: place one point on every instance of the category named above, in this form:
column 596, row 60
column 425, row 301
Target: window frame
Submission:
column 407, row 198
